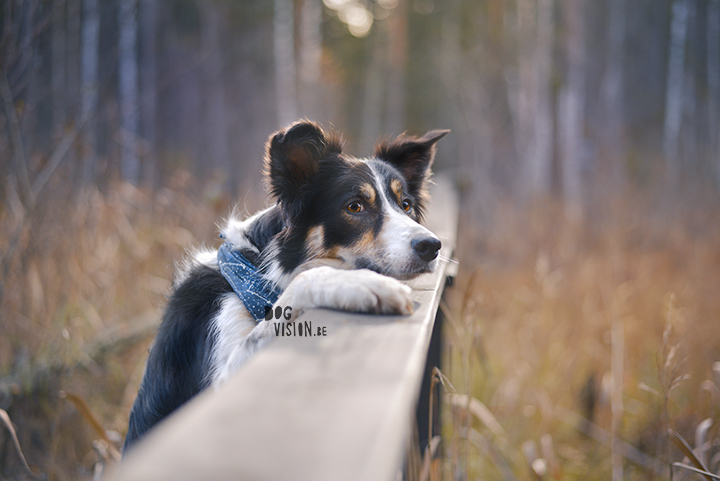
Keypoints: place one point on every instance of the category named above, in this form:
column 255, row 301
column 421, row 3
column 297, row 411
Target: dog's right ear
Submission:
column 293, row 157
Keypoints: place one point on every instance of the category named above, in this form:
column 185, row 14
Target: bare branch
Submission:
column 18, row 151
column 55, row 159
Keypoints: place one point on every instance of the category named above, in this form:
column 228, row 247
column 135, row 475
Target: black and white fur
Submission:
column 342, row 231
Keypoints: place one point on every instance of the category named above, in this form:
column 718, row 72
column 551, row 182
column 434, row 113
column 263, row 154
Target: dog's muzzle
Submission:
column 426, row 248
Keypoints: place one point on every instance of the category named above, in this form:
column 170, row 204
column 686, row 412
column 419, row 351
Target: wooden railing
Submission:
column 331, row 408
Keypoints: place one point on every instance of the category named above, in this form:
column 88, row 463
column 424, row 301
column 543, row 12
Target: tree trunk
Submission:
column 397, row 50
column 148, row 88
column 675, row 88
column 72, row 81
column 310, row 51
column 215, row 107
column 73, row 48
column 529, row 93
column 572, row 109
column 58, row 69
column 27, row 74
column 690, row 126
column 613, row 91
column 525, row 91
column 540, row 158
column 374, row 89
column 128, row 86
column 89, row 85
column 450, row 62
column 284, row 52
column 464, row 76
column 713, row 76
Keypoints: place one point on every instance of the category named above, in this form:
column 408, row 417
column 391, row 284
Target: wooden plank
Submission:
column 315, row 408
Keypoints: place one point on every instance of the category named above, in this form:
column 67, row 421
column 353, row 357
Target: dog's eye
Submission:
column 355, row 207
column 406, row 205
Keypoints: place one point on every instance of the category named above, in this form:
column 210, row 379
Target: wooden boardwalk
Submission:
column 330, row 408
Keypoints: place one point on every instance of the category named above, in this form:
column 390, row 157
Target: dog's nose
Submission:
column 427, row 248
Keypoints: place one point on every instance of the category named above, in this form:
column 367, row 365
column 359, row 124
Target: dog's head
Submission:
column 360, row 213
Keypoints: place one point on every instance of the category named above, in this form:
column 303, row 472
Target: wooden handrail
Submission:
column 311, row 408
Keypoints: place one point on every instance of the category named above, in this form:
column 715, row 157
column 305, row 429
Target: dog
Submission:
column 342, row 234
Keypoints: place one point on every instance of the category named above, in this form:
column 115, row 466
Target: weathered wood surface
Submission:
column 311, row 408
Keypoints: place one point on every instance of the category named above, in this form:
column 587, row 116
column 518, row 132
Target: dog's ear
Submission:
column 293, row 157
column 412, row 156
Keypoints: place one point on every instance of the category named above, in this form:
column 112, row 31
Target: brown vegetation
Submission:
column 543, row 307
column 82, row 297
column 540, row 308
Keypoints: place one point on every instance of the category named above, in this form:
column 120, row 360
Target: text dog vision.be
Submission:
column 292, row 328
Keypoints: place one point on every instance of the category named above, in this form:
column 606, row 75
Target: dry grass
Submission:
column 538, row 317
column 82, row 295
column 541, row 307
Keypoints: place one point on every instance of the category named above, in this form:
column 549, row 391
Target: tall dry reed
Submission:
column 82, row 295
column 585, row 341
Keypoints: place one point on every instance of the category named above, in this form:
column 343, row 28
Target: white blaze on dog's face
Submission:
column 352, row 213
column 403, row 248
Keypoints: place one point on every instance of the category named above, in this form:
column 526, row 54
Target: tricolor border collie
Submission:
column 342, row 232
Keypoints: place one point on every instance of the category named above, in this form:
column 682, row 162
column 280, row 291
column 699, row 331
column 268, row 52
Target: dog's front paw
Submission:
column 355, row 291
column 368, row 291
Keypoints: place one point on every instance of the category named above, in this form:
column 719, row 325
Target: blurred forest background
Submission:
column 585, row 143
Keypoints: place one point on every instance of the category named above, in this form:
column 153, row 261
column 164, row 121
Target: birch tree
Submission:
column 374, row 88
column 612, row 89
column 28, row 66
column 89, row 83
column 397, row 65
column 310, row 51
column 58, row 68
column 713, row 76
column 540, row 158
column 73, row 47
column 530, row 95
column 284, row 56
column 148, row 93
column 572, row 109
column 523, row 90
column 675, row 88
column 450, row 61
column 216, row 136
column 469, row 110
column 690, row 125
column 128, row 90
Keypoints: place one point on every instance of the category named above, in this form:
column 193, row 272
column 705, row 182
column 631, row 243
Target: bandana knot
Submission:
column 252, row 289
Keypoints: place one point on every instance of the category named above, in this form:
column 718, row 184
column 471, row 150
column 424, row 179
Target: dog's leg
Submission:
column 349, row 290
column 253, row 342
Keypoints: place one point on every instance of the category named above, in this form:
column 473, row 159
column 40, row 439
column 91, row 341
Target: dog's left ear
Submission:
column 293, row 158
column 412, row 156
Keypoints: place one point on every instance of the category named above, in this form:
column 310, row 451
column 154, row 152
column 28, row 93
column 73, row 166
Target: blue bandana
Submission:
column 254, row 291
